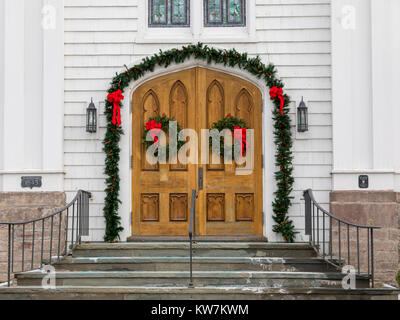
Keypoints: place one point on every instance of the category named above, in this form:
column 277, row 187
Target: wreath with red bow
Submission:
column 154, row 127
column 239, row 131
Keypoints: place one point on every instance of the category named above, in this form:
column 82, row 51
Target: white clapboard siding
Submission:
column 100, row 38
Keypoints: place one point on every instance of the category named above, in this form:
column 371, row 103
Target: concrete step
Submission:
column 201, row 279
column 199, row 264
column 203, row 293
column 201, row 249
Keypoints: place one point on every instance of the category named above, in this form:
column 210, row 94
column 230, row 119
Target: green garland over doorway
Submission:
column 232, row 58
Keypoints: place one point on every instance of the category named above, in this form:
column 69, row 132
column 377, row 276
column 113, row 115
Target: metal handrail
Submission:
column 313, row 229
column 192, row 234
column 79, row 227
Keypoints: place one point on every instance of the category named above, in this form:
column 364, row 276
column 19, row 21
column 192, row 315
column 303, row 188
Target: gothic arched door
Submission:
column 229, row 204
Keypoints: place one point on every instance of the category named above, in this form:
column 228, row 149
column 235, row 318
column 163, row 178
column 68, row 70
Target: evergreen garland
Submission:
column 231, row 58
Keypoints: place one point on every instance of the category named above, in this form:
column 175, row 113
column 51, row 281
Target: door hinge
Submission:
column 262, row 161
column 131, row 162
column 263, row 105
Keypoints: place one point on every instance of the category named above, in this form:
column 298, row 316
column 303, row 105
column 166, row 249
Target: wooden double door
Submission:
column 228, row 204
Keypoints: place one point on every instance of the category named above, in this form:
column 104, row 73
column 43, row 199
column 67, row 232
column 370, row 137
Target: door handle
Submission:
column 201, row 179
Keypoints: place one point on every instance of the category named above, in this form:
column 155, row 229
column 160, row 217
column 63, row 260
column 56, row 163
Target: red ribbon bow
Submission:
column 241, row 133
column 115, row 98
column 276, row 92
column 154, row 129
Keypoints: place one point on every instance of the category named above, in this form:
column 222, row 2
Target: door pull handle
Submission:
column 201, row 179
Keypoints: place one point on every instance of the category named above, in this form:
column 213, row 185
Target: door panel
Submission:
column 149, row 207
column 167, row 186
column 215, row 111
column 150, row 108
column 178, row 104
column 178, row 207
column 244, row 107
column 233, row 203
column 229, row 204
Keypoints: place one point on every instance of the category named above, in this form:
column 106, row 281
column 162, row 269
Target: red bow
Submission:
column 276, row 92
column 154, row 129
column 115, row 98
column 241, row 133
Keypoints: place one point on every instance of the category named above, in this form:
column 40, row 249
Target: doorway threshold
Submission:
column 197, row 239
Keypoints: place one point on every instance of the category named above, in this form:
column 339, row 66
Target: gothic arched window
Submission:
column 221, row 13
column 169, row 13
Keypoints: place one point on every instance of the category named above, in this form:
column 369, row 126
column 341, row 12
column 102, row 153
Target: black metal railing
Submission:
column 335, row 244
column 32, row 243
column 192, row 234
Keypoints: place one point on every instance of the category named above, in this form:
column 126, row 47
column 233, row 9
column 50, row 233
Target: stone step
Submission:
column 201, row 249
column 201, row 279
column 202, row 293
column 199, row 264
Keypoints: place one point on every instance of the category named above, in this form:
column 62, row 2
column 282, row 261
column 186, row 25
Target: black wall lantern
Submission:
column 91, row 118
column 302, row 117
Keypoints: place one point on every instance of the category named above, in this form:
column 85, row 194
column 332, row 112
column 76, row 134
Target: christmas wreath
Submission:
column 153, row 128
column 239, row 131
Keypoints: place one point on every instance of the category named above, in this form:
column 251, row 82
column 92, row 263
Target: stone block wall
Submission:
column 23, row 207
column 369, row 208
column 398, row 223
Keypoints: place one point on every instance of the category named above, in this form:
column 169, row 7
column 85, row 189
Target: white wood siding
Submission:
column 100, row 38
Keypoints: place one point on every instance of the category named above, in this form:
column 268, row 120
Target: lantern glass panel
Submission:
column 302, row 118
column 91, row 119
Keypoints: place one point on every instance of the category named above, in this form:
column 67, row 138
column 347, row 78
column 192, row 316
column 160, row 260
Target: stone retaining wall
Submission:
column 377, row 208
column 22, row 207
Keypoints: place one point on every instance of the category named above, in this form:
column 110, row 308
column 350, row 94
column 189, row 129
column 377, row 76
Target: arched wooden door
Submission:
column 229, row 204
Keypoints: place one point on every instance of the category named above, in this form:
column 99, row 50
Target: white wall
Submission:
column 31, row 132
column 13, row 135
column 101, row 36
column 365, row 51
column 33, row 82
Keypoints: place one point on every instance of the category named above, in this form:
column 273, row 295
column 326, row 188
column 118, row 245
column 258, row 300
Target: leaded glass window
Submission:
column 215, row 12
column 224, row 13
column 169, row 13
